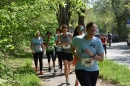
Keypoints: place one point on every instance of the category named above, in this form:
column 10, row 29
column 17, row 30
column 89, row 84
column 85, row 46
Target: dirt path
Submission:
column 49, row 79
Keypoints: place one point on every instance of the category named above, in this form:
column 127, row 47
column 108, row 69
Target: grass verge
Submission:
column 117, row 74
column 16, row 70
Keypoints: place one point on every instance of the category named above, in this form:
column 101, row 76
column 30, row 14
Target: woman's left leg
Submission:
column 93, row 77
column 53, row 59
column 83, row 77
column 40, row 60
column 60, row 59
column 69, row 62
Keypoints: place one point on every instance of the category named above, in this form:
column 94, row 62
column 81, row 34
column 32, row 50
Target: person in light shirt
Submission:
column 79, row 31
column 87, row 51
column 64, row 40
column 37, row 48
column 58, row 49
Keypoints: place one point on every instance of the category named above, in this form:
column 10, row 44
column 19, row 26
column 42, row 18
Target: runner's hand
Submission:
column 66, row 43
column 89, row 52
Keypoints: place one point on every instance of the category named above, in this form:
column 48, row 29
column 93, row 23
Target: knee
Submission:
column 65, row 66
column 48, row 60
column 53, row 60
column 68, row 67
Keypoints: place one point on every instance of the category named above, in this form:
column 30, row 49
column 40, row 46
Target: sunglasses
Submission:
column 81, row 29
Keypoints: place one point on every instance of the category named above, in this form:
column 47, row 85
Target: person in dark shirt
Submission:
column 109, row 38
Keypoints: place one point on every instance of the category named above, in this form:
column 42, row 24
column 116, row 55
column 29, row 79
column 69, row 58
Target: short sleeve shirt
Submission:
column 81, row 44
column 51, row 44
column 56, row 38
column 37, row 44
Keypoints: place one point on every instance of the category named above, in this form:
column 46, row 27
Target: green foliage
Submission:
column 115, row 73
column 112, row 15
column 17, row 70
column 68, row 8
column 20, row 19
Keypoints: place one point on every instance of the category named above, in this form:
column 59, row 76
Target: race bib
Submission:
column 87, row 61
column 37, row 47
column 58, row 46
column 50, row 47
column 66, row 46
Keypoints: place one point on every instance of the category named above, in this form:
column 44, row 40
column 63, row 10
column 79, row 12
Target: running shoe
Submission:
column 67, row 82
column 41, row 73
column 55, row 70
column 36, row 69
column 49, row 69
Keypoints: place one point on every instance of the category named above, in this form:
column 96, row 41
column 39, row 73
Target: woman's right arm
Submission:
column 73, row 51
column 58, row 42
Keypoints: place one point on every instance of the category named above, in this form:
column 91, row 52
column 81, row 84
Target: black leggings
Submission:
column 36, row 56
column 104, row 46
column 55, row 52
column 59, row 54
column 87, row 78
column 51, row 54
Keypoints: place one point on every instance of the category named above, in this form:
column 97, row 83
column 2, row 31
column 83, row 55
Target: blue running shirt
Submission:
column 37, row 44
column 81, row 44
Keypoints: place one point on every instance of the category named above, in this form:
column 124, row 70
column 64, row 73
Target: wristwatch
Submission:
column 94, row 55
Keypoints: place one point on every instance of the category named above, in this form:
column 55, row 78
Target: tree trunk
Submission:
column 81, row 18
column 64, row 14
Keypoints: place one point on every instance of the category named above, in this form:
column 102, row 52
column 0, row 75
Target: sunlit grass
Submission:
column 17, row 71
column 24, row 80
column 115, row 73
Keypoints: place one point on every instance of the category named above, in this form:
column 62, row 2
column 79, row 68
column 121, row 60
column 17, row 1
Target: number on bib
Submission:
column 50, row 47
column 87, row 62
column 37, row 47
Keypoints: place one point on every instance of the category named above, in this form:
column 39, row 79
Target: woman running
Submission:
column 89, row 50
column 58, row 49
column 79, row 31
column 65, row 40
column 50, row 50
column 37, row 50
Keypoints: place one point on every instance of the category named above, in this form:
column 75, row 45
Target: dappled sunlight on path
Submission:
column 50, row 79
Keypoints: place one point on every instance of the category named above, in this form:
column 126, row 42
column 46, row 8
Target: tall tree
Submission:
column 63, row 10
column 121, row 15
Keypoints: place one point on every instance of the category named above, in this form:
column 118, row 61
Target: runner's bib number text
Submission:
column 66, row 46
column 50, row 47
column 37, row 47
column 87, row 62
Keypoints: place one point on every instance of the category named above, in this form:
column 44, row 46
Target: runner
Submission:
column 109, row 36
column 58, row 49
column 50, row 51
column 37, row 51
column 89, row 50
column 104, row 41
column 79, row 31
column 65, row 39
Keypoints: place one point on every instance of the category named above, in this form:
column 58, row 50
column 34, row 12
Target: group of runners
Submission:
column 83, row 50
